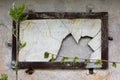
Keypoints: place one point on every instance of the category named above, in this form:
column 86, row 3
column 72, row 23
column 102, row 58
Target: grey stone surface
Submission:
column 111, row 6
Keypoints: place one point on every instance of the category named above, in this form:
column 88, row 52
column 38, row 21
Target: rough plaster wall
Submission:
column 111, row 6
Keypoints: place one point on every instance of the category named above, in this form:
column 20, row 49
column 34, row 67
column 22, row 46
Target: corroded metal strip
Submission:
column 104, row 40
column 64, row 15
column 51, row 65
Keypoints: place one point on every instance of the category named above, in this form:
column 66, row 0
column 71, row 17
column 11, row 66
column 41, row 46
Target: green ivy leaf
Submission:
column 46, row 55
column 13, row 15
column 64, row 59
column 3, row 77
column 52, row 59
column 19, row 10
column 16, row 12
column 75, row 60
column 13, row 32
column 86, row 61
column 16, row 67
column 98, row 62
column 114, row 65
column 21, row 45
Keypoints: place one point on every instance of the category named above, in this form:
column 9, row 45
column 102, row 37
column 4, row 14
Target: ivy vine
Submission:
column 16, row 15
column 75, row 60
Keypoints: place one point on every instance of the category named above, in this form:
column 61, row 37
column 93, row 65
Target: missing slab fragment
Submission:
column 71, row 49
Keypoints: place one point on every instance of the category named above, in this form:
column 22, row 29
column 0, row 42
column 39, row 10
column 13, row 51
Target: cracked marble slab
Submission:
column 47, row 35
column 95, row 43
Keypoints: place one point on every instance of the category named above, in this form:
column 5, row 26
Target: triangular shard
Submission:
column 73, row 25
column 95, row 43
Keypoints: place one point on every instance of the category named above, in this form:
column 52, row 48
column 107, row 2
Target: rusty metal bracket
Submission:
column 89, row 8
column 91, row 71
column 29, row 71
column 110, row 38
column 13, row 65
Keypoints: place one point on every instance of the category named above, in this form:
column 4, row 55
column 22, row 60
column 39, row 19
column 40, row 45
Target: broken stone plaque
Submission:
column 61, row 37
column 78, row 37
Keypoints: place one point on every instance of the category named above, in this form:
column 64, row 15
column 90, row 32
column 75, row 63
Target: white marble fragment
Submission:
column 74, row 27
column 95, row 43
column 39, row 41
column 76, row 30
column 57, row 30
column 96, row 55
column 90, row 27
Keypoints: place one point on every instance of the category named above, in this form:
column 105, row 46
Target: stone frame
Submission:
column 65, row 15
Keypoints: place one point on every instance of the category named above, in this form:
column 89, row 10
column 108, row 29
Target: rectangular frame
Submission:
column 65, row 15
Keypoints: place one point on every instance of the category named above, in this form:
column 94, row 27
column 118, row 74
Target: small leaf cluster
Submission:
column 52, row 59
column 98, row 62
column 86, row 61
column 14, row 32
column 3, row 77
column 75, row 60
column 16, row 13
column 63, row 60
column 46, row 55
column 114, row 64
column 21, row 45
column 16, row 67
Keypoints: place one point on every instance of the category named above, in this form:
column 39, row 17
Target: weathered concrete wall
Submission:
column 111, row 6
